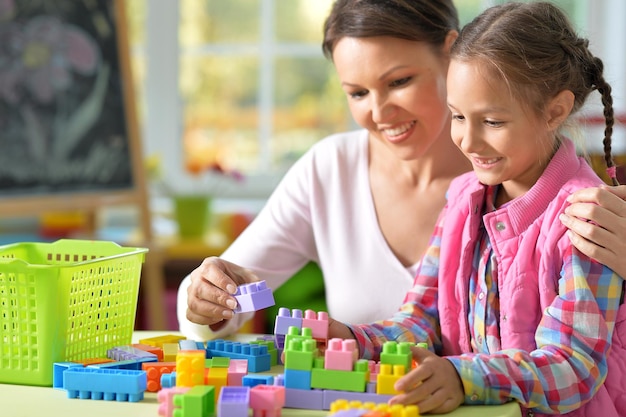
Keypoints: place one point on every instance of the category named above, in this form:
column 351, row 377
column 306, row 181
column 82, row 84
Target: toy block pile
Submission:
column 228, row 378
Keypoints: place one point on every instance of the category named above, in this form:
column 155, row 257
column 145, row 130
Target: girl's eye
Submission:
column 400, row 82
column 493, row 123
column 458, row 117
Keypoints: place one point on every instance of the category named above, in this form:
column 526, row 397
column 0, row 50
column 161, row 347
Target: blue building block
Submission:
column 253, row 297
column 297, row 379
column 107, row 384
column 258, row 358
column 57, row 372
column 233, row 402
column 254, row 380
column 168, row 380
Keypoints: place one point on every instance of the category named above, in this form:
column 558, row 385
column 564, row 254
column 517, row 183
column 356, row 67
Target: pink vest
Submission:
column 529, row 241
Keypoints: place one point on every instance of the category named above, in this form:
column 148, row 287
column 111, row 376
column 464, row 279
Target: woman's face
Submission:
column 396, row 89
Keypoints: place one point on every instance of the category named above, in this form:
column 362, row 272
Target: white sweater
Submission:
column 321, row 211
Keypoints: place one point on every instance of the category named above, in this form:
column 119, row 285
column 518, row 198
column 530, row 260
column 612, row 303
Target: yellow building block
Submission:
column 190, row 368
column 387, row 377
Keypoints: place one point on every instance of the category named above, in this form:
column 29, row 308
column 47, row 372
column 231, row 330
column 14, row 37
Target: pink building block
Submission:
column 267, row 400
column 340, row 354
column 253, row 297
column 318, row 323
column 237, row 369
column 166, row 402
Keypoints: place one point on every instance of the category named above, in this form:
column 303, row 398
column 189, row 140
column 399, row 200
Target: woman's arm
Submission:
column 597, row 223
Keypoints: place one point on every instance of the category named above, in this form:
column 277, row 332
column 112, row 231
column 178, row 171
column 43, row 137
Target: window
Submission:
column 247, row 81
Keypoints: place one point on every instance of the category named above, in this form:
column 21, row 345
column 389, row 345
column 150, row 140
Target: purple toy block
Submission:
column 126, row 353
column 349, row 413
column 331, row 396
column 307, row 399
column 233, row 402
column 253, row 297
column 285, row 319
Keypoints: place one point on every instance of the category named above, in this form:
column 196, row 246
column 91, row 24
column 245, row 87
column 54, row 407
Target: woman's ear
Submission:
column 450, row 39
column 559, row 109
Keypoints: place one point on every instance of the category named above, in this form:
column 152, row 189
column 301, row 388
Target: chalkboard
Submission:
column 68, row 134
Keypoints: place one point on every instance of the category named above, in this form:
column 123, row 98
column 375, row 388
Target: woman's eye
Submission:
column 493, row 123
column 458, row 117
column 400, row 82
column 358, row 94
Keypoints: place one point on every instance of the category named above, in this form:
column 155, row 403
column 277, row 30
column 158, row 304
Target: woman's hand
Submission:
column 434, row 385
column 597, row 223
column 210, row 295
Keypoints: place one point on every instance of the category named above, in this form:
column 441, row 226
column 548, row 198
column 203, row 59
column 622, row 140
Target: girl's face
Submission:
column 396, row 89
column 507, row 143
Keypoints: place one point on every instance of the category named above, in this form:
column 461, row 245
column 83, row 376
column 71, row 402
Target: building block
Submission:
column 168, row 380
column 334, row 379
column 254, row 380
column 387, row 377
column 257, row 356
column 294, row 333
column 395, row 353
column 217, row 362
column 396, row 410
column 271, row 349
column 126, row 353
column 190, row 368
column 267, row 400
column 198, row 401
column 318, row 323
column 237, row 369
column 154, row 371
column 218, row 378
column 165, row 398
column 312, row 399
column 107, row 384
column 57, row 372
column 333, row 395
column 285, row 319
column 152, row 349
column 233, row 402
column 300, row 354
column 186, row 344
column 253, row 297
column 297, row 379
column 94, row 361
column 170, row 350
column 340, row 354
column 158, row 341
column 130, row 364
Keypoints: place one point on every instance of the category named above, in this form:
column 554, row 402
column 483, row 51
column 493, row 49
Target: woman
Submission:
column 361, row 204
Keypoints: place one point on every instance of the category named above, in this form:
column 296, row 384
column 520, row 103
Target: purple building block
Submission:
column 285, row 319
column 331, row 396
column 253, row 297
column 307, row 399
column 233, row 402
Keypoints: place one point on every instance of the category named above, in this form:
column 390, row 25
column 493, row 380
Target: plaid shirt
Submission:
column 560, row 371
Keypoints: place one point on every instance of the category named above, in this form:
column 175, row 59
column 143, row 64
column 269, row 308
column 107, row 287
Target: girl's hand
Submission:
column 210, row 297
column 434, row 385
column 597, row 223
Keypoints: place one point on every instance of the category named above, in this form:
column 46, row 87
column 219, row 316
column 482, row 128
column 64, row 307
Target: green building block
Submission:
column 300, row 354
column 198, row 401
column 217, row 362
column 332, row 379
column 395, row 353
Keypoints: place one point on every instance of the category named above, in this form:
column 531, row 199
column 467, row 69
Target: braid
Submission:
column 609, row 116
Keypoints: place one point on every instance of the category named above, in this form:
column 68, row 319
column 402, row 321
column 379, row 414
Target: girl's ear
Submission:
column 559, row 109
column 450, row 39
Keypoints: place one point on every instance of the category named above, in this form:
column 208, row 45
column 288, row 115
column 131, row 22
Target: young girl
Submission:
column 515, row 311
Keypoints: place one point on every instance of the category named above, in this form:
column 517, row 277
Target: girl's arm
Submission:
column 597, row 223
column 417, row 320
column 573, row 338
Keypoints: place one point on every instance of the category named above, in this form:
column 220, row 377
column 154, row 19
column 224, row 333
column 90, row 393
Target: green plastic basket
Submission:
column 64, row 301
